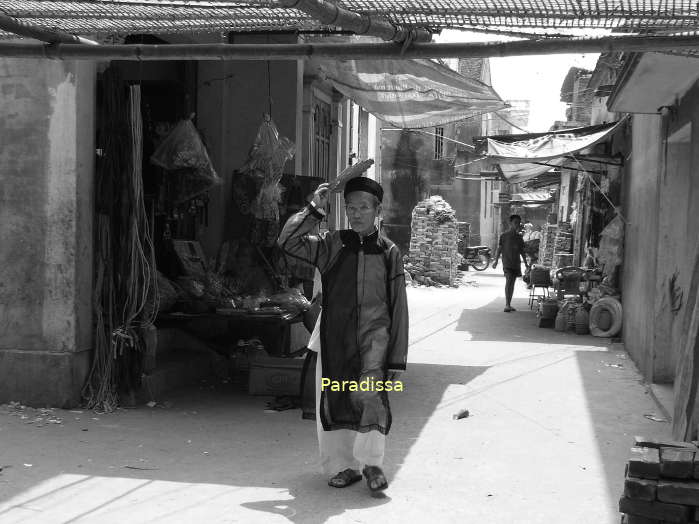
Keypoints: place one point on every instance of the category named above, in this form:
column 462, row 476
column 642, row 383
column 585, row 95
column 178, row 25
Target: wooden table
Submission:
column 222, row 332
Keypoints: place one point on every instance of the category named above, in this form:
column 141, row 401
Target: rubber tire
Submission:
column 481, row 267
column 613, row 307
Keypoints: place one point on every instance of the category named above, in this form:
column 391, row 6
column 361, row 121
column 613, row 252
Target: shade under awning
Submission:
column 522, row 157
column 410, row 93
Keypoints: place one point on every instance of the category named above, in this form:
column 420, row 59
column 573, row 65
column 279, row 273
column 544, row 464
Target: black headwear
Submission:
column 365, row 184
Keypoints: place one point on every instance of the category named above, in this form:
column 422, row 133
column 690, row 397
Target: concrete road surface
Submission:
column 552, row 417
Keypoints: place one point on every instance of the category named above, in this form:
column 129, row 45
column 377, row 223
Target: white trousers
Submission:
column 345, row 448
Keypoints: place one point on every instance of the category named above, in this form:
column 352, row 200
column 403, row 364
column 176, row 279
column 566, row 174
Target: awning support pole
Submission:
column 330, row 14
column 12, row 25
column 347, row 51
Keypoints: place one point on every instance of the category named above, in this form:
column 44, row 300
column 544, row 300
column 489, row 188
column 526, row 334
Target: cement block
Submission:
column 679, row 492
column 655, row 510
column 643, row 442
column 645, row 463
column 676, row 463
column 635, row 519
column 640, row 489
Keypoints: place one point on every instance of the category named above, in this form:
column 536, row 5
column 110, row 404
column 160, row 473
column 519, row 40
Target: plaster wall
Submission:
column 641, row 235
column 46, row 205
column 661, row 240
column 677, row 232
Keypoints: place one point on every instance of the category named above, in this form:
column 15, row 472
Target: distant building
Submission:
column 580, row 96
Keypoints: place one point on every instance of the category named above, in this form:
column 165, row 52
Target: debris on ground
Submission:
column 281, row 404
column 655, row 418
column 461, row 414
column 36, row 416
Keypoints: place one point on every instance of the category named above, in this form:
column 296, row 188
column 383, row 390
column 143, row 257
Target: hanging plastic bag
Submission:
column 269, row 152
column 184, row 154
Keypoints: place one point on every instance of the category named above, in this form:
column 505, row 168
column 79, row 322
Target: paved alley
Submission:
column 552, row 417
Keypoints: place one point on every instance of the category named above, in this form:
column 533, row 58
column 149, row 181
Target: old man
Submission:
column 363, row 330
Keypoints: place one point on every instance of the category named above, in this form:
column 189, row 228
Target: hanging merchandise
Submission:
column 266, row 160
column 269, row 152
column 184, row 155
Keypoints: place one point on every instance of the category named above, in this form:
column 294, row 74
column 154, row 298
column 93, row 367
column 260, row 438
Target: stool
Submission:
column 539, row 278
column 534, row 296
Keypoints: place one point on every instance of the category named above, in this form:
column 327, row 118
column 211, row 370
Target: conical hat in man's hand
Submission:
column 358, row 169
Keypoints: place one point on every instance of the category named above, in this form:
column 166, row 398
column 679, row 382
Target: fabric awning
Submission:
column 410, row 94
column 535, row 197
column 522, row 157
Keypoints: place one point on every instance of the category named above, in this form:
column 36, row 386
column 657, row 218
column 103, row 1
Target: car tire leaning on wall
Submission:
column 613, row 307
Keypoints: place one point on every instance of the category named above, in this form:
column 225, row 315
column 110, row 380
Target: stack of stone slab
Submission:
column 662, row 483
column 547, row 244
column 563, row 246
column 434, row 240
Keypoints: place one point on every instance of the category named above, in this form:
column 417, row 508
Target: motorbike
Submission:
column 478, row 257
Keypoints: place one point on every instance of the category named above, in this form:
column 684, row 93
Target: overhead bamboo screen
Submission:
column 527, row 17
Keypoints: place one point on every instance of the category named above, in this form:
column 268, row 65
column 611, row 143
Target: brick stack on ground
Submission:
column 547, row 244
column 563, row 246
column 434, row 240
column 662, row 483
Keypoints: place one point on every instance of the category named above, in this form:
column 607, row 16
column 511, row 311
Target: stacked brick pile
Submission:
column 662, row 483
column 563, row 246
column 433, row 241
column 547, row 244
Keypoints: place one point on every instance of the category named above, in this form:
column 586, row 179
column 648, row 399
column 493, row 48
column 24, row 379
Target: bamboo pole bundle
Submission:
column 331, row 14
column 373, row 51
column 12, row 25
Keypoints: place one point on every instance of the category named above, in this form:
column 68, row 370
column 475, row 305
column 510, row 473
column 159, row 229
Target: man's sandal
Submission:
column 345, row 478
column 373, row 474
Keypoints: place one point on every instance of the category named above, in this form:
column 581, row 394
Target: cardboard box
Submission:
column 275, row 376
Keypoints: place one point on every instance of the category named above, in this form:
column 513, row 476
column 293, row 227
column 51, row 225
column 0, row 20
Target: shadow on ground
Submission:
column 211, row 435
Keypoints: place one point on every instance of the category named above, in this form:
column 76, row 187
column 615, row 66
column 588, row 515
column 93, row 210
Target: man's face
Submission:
column 362, row 211
column 515, row 223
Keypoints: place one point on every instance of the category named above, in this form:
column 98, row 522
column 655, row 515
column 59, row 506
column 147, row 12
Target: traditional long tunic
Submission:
column 364, row 318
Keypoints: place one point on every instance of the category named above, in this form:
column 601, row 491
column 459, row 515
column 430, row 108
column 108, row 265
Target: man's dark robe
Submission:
column 364, row 319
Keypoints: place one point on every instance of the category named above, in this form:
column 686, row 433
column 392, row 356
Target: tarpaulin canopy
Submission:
column 522, row 157
column 535, row 197
column 411, row 93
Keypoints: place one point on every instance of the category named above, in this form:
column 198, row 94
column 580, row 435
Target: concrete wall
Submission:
column 661, row 197
column 46, row 173
column 677, row 231
column 641, row 235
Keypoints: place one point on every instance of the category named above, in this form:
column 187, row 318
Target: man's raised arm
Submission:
column 299, row 238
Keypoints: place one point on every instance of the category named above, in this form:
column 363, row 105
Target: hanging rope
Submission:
column 126, row 279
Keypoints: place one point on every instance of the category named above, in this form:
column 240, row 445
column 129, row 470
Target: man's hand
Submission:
column 495, row 264
column 320, row 196
column 394, row 374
